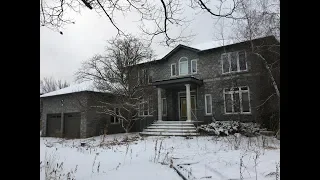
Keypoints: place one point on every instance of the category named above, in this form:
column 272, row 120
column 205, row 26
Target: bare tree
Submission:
column 116, row 73
column 49, row 84
column 260, row 18
column 62, row 84
column 157, row 17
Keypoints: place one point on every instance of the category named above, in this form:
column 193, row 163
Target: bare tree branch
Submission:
column 116, row 72
column 157, row 18
column 49, row 84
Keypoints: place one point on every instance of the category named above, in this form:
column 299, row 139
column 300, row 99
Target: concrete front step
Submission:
column 173, row 122
column 171, row 130
column 171, row 127
column 181, row 125
column 168, row 134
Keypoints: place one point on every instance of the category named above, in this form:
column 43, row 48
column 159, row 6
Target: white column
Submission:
column 159, row 105
column 188, row 102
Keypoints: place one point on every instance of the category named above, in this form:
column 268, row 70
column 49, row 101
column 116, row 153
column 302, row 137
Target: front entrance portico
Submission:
column 184, row 85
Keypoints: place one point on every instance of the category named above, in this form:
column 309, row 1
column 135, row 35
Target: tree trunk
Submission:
column 274, row 85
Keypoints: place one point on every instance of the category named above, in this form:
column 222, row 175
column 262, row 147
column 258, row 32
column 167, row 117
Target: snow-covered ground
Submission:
column 225, row 158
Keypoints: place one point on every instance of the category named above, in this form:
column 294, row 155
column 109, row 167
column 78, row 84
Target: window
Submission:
column 183, row 66
column 208, row 104
column 150, row 104
column 150, row 75
column 173, row 70
column 234, row 62
column 194, row 66
column 140, row 76
column 140, row 109
column 115, row 119
column 146, row 107
column 145, row 77
column 236, row 100
column 164, row 106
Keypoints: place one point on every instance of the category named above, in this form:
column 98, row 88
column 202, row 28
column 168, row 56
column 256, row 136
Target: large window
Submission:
column 194, row 67
column 183, row 66
column 164, row 106
column 115, row 119
column 237, row 100
column 234, row 62
column 173, row 70
column 208, row 104
column 146, row 107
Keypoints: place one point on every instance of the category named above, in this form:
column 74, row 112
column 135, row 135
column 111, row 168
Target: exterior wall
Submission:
column 97, row 121
column 75, row 102
column 92, row 122
column 162, row 70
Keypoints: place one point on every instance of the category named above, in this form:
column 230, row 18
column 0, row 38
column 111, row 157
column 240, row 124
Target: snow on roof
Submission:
column 201, row 47
column 211, row 44
column 84, row 86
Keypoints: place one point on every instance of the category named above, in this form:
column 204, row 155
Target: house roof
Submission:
column 84, row 86
column 201, row 47
column 177, row 81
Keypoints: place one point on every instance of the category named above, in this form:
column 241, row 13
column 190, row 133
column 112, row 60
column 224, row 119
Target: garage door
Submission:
column 53, row 125
column 72, row 125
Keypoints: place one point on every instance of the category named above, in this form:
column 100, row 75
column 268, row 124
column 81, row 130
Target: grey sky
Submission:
column 61, row 55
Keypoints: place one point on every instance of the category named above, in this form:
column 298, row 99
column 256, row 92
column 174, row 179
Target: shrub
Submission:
column 225, row 128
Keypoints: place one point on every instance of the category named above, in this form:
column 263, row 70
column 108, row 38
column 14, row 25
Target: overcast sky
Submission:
column 61, row 55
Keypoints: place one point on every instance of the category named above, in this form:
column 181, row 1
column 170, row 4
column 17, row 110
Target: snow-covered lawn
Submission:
column 232, row 157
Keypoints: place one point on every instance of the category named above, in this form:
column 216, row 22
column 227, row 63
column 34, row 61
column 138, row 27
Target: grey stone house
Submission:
column 208, row 83
column 70, row 113
column 200, row 84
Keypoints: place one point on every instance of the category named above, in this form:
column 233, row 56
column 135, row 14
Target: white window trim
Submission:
column 166, row 107
column 113, row 117
column 148, row 104
column 196, row 60
column 238, row 62
column 206, row 103
column 240, row 98
column 175, row 69
column 180, row 66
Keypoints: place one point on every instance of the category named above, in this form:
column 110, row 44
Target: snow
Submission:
column 211, row 44
column 200, row 46
column 84, row 86
column 208, row 156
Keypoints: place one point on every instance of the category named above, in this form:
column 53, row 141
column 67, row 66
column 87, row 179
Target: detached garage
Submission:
column 70, row 112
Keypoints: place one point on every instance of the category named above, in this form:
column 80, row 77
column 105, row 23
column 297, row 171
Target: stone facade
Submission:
column 209, row 70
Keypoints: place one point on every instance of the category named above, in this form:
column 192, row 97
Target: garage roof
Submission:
column 84, row 86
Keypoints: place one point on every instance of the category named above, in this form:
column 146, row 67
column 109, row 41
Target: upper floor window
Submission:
column 237, row 100
column 183, row 66
column 234, row 62
column 145, row 76
column 173, row 70
column 150, row 75
column 194, row 67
